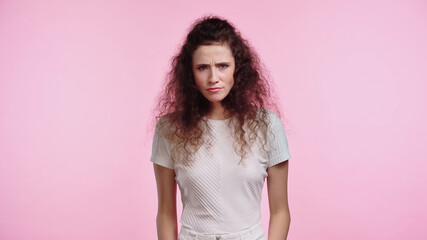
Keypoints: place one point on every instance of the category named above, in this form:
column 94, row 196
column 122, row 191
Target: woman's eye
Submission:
column 223, row 65
column 201, row 67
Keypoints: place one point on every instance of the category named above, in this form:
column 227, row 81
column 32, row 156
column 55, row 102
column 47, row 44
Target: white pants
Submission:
column 254, row 233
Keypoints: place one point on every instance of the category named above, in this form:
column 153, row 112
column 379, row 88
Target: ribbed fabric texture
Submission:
column 218, row 195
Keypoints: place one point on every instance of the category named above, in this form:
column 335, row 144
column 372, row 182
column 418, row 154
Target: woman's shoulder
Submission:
column 165, row 118
column 163, row 123
column 269, row 114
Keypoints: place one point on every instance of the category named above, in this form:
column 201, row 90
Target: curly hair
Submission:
column 181, row 107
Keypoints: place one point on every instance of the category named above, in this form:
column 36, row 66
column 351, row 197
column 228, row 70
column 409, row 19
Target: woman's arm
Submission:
column 280, row 217
column 166, row 220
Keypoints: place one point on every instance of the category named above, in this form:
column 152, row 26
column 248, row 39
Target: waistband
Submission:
column 255, row 232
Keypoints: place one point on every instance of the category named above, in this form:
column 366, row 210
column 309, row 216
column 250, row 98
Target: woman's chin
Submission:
column 216, row 100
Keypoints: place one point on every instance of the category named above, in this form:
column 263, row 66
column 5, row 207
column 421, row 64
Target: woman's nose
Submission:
column 213, row 76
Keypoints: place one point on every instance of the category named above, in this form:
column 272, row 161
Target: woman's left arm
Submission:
column 277, row 186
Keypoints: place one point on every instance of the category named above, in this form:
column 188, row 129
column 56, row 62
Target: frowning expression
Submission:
column 213, row 69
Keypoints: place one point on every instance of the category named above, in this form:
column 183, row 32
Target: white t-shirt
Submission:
column 218, row 195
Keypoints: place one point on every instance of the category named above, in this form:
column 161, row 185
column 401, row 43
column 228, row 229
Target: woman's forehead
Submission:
column 208, row 52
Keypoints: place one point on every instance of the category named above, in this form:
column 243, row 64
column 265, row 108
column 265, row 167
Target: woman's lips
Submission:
column 213, row 89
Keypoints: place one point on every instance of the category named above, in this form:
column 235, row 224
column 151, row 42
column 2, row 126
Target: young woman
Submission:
column 218, row 138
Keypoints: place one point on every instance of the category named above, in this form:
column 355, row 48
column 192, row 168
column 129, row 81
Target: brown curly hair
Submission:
column 181, row 108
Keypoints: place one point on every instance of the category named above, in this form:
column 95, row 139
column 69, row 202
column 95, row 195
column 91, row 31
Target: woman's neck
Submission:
column 218, row 112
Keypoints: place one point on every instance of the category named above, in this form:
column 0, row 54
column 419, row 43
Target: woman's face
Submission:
column 213, row 69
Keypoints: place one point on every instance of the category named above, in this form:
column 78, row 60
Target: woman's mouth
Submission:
column 213, row 89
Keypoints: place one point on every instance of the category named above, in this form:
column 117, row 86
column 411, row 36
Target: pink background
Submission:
column 78, row 80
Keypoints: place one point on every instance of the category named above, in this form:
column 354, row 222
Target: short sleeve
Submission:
column 279, row 143
column 160, row 153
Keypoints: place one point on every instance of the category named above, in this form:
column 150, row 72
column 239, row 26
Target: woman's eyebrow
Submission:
column 202, row 65
column 207, row 64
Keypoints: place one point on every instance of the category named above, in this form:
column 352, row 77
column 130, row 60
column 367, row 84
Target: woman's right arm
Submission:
column 167, row 228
